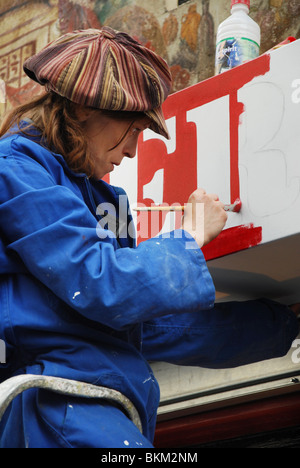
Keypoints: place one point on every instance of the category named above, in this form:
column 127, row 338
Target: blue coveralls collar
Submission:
column 30, row 131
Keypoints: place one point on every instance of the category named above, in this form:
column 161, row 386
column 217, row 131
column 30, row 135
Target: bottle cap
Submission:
column 244, row 2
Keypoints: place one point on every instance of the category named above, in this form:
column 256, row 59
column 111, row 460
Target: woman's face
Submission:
column 110, row 140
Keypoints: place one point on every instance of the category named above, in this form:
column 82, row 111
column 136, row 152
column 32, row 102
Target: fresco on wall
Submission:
column 277, row 19
column 26, row 26
column 142, row 25
column 184, row 35
column 72, row 16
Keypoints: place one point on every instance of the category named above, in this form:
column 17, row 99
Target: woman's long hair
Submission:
column 55, row 118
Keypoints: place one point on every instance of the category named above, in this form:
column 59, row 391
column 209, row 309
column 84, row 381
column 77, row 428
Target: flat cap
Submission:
column 104, row 69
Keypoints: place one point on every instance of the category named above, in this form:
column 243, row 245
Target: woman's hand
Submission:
column 204, row 217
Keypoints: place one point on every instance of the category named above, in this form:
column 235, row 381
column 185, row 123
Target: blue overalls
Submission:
column 79, row 302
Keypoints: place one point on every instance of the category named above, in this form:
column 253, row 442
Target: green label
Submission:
column 232, row 52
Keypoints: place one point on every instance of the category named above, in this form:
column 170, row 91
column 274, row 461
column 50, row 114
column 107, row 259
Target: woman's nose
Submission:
column 130, row 150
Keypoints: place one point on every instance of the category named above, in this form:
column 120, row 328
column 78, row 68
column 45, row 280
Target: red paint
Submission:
column 106, row 178
column 180, row 167
column 234, row 207
column 233, row 240
column 216, row 87
column 235, row 109
column 237, row 206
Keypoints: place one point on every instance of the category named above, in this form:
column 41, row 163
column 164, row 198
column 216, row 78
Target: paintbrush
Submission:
column 233, row 207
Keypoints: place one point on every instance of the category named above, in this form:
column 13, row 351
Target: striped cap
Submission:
column 104, row 69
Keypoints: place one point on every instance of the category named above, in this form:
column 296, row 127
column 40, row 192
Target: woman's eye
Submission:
column 135, row 130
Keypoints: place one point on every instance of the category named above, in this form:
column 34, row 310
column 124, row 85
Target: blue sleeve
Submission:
column 54, row 234
column 229, row 335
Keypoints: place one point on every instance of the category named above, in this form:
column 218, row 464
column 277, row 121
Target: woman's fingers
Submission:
column 204, row 216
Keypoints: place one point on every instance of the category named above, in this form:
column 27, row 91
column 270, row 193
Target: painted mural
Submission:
column 183, row 32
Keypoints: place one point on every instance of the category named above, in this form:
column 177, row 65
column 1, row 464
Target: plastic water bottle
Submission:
column 238, row 38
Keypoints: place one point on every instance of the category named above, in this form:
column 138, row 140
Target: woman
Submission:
column 80, row 301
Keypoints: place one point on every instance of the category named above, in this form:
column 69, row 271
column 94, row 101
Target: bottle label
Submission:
column 232, row 52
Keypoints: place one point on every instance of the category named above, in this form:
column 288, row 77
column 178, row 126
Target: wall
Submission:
column 183, row 34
